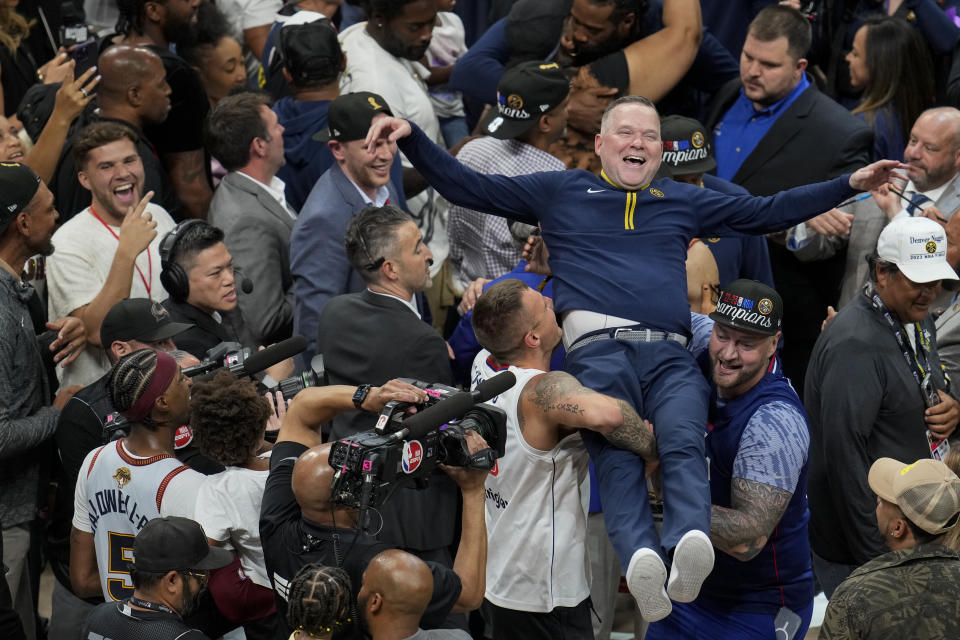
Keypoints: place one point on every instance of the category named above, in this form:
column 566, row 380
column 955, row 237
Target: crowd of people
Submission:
column 714, row 244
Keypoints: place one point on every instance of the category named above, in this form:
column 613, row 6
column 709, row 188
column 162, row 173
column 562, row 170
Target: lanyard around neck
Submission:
column 146, row 281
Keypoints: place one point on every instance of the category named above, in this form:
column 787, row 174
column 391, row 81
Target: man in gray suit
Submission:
column 933, row 153
column 360, row 178
column 249, row 205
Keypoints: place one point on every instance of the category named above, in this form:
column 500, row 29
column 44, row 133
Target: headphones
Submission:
column 172, row 276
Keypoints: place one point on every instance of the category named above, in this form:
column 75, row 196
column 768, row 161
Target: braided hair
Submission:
column 129, row 378
column 130, row 16
column 319, row 599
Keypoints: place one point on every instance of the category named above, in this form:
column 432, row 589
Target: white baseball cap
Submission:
column 918, row 246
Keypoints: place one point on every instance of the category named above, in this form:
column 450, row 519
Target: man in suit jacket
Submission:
column 377, row 334
column 357, row 180
column 933, row 154
column 249, row 205
column 772, row 131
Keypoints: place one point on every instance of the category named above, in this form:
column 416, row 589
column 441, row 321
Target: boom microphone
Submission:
column 494, row 386
column 260, row 360
column 454, row 406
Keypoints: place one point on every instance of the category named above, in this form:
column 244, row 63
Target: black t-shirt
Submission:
column 291, row 542
column 118, row 620
column 183, row 128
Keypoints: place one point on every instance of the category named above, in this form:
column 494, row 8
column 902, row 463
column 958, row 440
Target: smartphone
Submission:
column 85, row 55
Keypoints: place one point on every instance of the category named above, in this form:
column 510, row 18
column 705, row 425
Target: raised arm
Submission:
column 658, row 61
column 136, row 233
column 554, row 404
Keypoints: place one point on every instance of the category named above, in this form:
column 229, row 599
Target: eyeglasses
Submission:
column 203, row 577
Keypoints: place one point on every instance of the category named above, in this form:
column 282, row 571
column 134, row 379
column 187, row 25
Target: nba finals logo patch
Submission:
column 412, row 456
column 122, row 476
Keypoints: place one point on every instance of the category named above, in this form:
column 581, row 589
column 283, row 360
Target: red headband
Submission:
column 162, row 377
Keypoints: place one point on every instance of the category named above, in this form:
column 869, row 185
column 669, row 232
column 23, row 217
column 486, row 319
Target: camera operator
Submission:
column 299, row 524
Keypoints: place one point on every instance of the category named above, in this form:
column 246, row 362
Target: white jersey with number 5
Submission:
column 117, row 494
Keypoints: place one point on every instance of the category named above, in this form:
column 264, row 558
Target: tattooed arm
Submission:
column 744, row 529
column 554, row 403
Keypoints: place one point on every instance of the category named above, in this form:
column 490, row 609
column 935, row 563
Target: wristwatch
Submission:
column 361, row 394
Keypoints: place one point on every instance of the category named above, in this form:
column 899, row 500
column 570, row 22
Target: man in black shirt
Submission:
column 299, row 524
column 172, row 560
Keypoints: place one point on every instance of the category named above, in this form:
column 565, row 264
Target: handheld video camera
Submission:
column 402, row 451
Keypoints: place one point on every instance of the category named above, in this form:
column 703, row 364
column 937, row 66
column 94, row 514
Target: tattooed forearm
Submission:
column 743, row 530
column 634, row 434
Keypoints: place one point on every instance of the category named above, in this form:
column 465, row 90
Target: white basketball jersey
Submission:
column 123, row 493
column 536, row 525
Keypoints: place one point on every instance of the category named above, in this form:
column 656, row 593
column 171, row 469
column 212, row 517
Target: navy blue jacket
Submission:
column 615, row 251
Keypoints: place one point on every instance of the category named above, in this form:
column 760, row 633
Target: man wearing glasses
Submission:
column 171, row 564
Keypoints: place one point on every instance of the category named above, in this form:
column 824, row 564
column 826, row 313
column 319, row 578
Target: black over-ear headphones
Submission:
column 172, row 276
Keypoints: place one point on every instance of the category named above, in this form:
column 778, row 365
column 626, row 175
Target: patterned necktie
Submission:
column 917, row 201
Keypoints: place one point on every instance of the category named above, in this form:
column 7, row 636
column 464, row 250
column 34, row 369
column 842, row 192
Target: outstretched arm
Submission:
column 316, row 405
column 519, row 198
column 554, row 403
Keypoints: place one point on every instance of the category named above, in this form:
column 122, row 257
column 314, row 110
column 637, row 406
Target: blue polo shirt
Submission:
column 743, row 127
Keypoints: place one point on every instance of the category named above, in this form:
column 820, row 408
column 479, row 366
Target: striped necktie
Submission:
column 917, row 201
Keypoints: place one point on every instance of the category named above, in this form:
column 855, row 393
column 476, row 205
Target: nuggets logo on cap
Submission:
column 765, row 306
column 122, row 476
column 931, row 247
column 697, row 140
column 514, row 101
column 412, row 456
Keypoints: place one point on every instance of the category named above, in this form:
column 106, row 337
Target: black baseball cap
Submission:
column 176, row 544
column 687, row 146
column 749, row 305
column 350, row 115
column 18, row 185
column 533, row 27
column 309, row 47
column 138, row 319
column 524, row 93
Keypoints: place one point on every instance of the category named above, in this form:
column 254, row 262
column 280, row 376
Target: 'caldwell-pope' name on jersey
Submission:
column 117, row 494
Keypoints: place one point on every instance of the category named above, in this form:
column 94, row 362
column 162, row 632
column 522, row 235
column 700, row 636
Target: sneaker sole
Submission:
column 645, row 577
column 692, row 563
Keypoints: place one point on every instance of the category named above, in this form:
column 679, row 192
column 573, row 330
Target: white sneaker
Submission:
column 692, row 563
column 645, row 577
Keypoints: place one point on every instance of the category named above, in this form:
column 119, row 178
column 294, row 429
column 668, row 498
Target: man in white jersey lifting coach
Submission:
column 537, row 582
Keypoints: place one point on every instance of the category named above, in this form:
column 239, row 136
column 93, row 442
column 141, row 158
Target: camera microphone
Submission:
column 454, row 406
column 494, row 386
column 260, row 360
